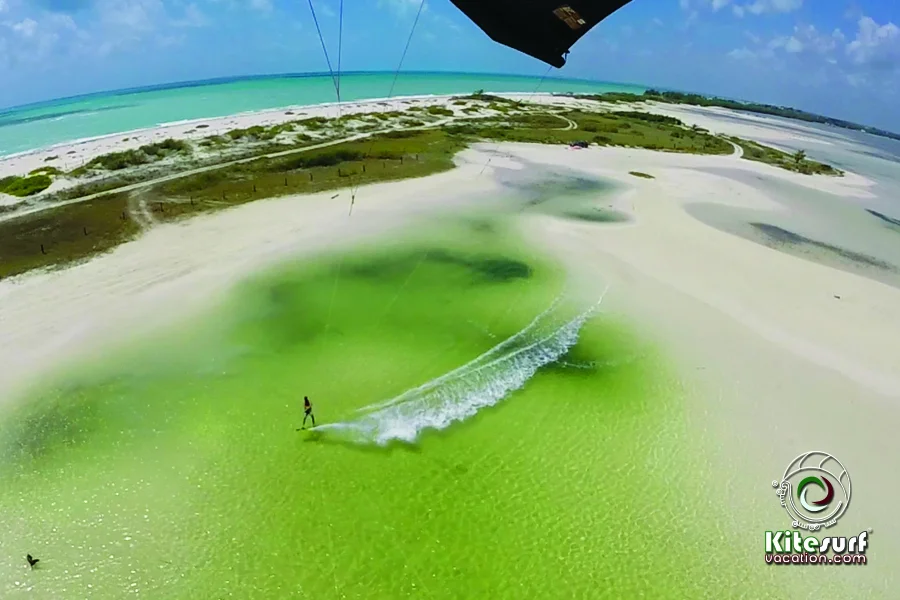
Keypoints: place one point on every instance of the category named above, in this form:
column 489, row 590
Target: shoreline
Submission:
column 249, row 113
column 761, row 128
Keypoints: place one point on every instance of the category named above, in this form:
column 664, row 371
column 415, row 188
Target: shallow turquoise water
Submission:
column 45, row 124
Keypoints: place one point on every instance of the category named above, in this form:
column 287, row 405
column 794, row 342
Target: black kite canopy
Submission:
column 544, row 29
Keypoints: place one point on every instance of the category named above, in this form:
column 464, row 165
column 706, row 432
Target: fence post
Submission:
column 42, row 249
column 85, row 231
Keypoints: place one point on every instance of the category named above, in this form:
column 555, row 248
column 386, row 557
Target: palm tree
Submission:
column 799, row 156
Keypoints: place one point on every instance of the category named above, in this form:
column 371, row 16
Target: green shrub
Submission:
column 399, row 134
column 46, row 171
column 649, row 117
column 439, row 111
column 25, row 186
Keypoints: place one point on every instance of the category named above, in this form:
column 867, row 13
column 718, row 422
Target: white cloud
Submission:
column 738, row 11
column 658, row 22
column 130, row 16
column 806, row 38
column 692, row 18
column 720, row 4
column 793, row 45
column 875, row 45
column 403, row 8
column 3, row 6
column 261, row 5
column 193, row 17
column 26, row 28
column 753, row 37
column 742, row 54
column 773, row 6
column 823, row 43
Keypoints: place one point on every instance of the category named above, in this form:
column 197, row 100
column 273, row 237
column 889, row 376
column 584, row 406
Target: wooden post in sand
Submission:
column 310, row 176
column 254, row 188
column 285, row 182
column 401, row 159
column 42, row 249
column 339, row 172
column 364, row 168
column 85, row 231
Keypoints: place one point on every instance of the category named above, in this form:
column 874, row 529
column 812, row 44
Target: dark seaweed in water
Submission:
column 789, row 238
column 282, row 318
column 63, row 417
column 493, row 269
column 598, row 215
column 484, row 269
column 883, row 217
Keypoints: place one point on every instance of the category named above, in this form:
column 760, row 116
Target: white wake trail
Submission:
column 464, row 391
column 462, row 370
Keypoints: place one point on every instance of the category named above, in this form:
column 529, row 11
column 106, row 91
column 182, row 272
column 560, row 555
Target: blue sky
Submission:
column 836, row 57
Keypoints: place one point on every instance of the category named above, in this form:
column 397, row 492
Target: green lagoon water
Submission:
column 174, row 468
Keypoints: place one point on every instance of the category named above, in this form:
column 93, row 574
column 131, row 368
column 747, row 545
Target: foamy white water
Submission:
column 460, row 394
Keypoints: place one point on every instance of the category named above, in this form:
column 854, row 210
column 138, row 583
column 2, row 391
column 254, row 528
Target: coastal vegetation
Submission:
column 391, row 156
column 307, row 156
column 641, row 175
column 797, row 162
column 149, row 153
column 25, row 186
column 74, row 232
column 65, row 234
column 626, row 129
column 751, row 107
column 46, row 171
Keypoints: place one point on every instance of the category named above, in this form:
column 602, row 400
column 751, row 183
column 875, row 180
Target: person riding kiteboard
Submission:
column 307, row 412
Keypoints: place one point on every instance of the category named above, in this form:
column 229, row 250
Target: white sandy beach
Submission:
column 77, row 152
column 781, row 355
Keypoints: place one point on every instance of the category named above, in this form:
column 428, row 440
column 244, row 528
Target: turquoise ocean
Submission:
column 45, row 124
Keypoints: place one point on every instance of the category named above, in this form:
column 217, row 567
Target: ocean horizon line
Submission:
column 192, row 83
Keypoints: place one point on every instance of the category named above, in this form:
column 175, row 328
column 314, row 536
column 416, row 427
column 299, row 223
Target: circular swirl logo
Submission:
column 815, row 490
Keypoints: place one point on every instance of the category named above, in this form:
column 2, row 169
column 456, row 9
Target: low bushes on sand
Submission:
column 25, row 186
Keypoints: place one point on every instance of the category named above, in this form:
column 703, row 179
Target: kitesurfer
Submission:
column 307, row 412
